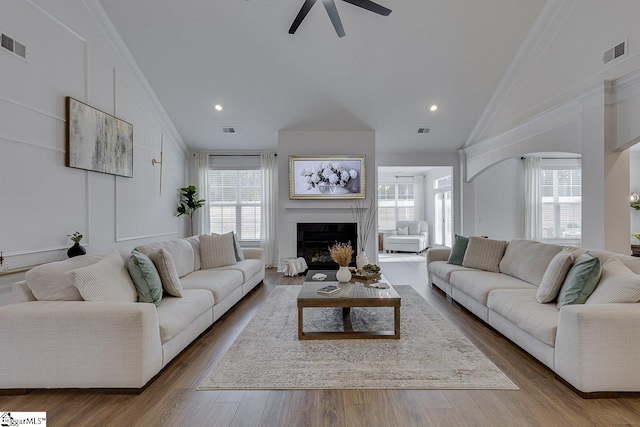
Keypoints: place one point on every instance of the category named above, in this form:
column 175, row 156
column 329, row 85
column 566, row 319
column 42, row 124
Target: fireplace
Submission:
column 314, row 239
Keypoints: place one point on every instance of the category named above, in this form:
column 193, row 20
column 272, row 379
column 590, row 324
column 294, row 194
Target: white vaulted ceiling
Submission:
column 382, row 76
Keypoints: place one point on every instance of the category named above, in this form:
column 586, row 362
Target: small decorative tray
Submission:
column 366, row 278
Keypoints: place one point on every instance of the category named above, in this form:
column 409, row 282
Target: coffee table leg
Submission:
column 346, row 319
column 396, row 322
column 300, row 322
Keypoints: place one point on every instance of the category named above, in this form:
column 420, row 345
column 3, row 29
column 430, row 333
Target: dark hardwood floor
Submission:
column 172, row 400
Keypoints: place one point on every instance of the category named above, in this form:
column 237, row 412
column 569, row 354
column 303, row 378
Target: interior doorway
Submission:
column 416, row 193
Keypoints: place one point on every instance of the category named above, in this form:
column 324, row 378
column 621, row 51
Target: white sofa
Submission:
column 107, row 345
column 417, row 239
column 593, row 347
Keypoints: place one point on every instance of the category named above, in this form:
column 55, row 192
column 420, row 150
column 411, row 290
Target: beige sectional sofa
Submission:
column 122, row 345
column 592, row 346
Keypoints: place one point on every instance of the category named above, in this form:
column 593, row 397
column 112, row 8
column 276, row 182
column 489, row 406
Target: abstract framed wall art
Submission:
column 326, row 177
column 98, row 141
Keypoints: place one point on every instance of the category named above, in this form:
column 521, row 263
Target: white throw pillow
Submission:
column 105, row 281
column 217, row 251
column 48, row 282
column 167, row 271
column 554, row 277
column 484, row 254
column 618, row 284
column 403, row 231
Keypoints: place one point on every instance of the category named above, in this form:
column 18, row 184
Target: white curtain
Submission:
column 201, row 221
column 418, row 198
column 268, row 238
column 533, row 208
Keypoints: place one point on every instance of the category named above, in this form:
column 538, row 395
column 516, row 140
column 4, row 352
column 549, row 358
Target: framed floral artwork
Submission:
column 326, row 177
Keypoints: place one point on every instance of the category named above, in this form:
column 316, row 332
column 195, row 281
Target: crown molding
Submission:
column 553, row 13
column 109, row 30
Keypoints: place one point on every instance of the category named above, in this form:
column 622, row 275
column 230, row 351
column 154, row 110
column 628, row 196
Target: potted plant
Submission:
column 76, row 249
column 189, row 203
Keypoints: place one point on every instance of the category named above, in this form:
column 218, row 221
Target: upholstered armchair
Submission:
column 409, row 236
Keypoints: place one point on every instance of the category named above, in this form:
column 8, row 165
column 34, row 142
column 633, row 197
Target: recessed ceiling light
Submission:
column 433, row 107
column 218, row 107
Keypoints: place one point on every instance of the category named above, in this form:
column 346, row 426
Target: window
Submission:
column 236, row 201
column 561, row 203
column 395, row 203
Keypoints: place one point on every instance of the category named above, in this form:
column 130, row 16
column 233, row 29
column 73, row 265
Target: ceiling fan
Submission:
column 330, row 5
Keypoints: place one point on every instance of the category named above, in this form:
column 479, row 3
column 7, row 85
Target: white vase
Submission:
column 343, row 275
column 361, row 260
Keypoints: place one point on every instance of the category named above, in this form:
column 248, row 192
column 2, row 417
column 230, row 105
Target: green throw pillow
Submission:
column 581, row 280
column 237, row 249
column 145, row 277
column 457, row 251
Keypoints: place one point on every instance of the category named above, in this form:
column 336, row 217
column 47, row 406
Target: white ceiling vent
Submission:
column 615, row 52
column 229, row 129
column 424, row 130
column 13, row 46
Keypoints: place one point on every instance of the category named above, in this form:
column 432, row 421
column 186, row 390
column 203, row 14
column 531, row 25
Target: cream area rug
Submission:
column 431, row 353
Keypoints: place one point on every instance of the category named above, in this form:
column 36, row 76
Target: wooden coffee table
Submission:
column 354, row 294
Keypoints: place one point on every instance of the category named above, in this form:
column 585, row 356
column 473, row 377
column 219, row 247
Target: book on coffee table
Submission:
column 329, row 290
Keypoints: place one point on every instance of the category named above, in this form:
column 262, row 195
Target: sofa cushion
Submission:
column 521, row 308
column 248, row 267
column 458, row 250
column 220, row 283
column 443, row 269
column 618, row 284
column 217, row 251
column 528, row 260
column 175, row 314
column 181, row 252
column 478, row 284
column 554, row 277
column 48, row 282
column 105, row 281
column 167, row 271
column 484, row 254
column 195, row 245
column 403, row 231
column 145, row 277
column 581, row 280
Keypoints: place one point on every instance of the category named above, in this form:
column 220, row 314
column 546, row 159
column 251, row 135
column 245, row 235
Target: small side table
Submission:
column 380, row 242
column 635, row 250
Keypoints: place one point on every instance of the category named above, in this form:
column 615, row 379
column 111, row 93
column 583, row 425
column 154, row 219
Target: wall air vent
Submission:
column 13, row 46
column 228, row 129
column 615, row 52
column 424, row 130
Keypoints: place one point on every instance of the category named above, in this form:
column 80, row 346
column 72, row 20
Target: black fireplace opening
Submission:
column 314, row 240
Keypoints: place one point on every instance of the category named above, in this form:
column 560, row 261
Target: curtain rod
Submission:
column 236, row 155
column 556, row 158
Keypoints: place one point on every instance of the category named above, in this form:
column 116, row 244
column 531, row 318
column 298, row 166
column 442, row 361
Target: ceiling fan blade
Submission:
column 371, row 6
column 330, row 5
column 306, row 7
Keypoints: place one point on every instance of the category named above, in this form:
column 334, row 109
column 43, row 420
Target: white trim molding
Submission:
column 527, row 137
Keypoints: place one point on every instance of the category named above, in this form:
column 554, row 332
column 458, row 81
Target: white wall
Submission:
column 321, row 143
column 499, row 201
column 71, row 52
